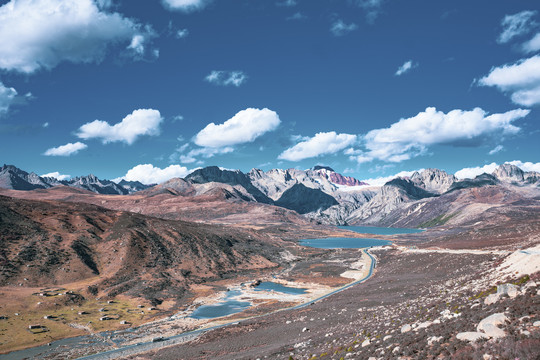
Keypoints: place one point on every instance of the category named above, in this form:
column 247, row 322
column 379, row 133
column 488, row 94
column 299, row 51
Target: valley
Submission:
column 115, row 270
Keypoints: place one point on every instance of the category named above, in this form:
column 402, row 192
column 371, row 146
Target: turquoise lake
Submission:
column 268, row 286
column 224, row 308
column 356, row 243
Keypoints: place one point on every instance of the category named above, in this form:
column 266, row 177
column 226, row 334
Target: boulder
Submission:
column 490, row 325
column 491, row 299
column 366, row 343
column 471, row 336
column 406, row 328
column 507, row 289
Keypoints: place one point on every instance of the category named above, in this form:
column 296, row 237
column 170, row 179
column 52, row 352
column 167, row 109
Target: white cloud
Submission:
column 533, row 44
column 66, row 150
column 148, row 174
column 516, row 25
column 225, row 78
column 38, row 34
column 496, row 149
column 320, row 144
column 406, row 67
column 7, row 97
column 139, row 122
column 526, row 166
column 380, row 181
column 182, row 33
column 371, row 7
column 339, row 28
column 185, row 5
column 206, row 152
column 245, row 126
column 57, row 176
column 472, row 172
column 411, row 137
column 521, row 79
column 45, row 124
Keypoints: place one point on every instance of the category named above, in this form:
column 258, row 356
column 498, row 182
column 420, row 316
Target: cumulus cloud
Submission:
column 411, row 137
column 186, row 6
column 149, row 174
column 472, row 172
column 321, row 144
column 380, row 181
column 139, row 122
column 521, row 79
column 225, row 78
column 406, row 67
column 244, row 127
column 532, row 45
column 66, row 150
column 516, row 25
column 7, row 97
column 57, row 176
column 526, row 166
column 38, row 34
column 340, row 28
column 496, row 149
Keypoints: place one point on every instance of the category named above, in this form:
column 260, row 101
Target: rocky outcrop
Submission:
column 215, row 174
column 509, row 173
column 433, row 180
column 305, row 200
column 479, row 181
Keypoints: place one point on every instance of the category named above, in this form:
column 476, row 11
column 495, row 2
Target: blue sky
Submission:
column 369, row 87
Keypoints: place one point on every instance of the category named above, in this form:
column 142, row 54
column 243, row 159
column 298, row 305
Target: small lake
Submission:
column 227, row 306
column 343, row 243
column 356, row 243
column 380, row 230
column 272, row 286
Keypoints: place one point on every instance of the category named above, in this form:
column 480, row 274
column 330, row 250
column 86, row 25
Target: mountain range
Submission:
column 14, row 178
column 319, row 194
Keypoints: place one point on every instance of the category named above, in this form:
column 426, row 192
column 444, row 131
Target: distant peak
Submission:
column 322, row 167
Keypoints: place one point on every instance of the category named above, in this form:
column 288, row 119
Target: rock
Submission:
column 536, row 323
column 526, row 332
column 406, row 328
column 424, row 325
column 507, row 289
column 434, row 339
column 471, row 336
column 491, row 299
column 366, row 343
column 305, row 329
column 490, row 325
column 487, row 357
column 387, row 337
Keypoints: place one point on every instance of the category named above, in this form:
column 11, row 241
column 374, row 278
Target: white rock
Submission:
column 424, row 325
column 491, row 299
column 536, row 323
column 526, row 332
column 387, row 337
column 406, row 328
column 471, row 336
column 490, row 325
column 508, row 289
column 305, row 329
column 366, row 343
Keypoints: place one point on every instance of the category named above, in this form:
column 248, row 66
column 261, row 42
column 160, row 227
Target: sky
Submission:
column 149, row 90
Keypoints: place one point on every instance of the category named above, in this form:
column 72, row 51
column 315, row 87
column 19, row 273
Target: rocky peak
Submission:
column 433, row 180
column 322, row 167
column 509, row 172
